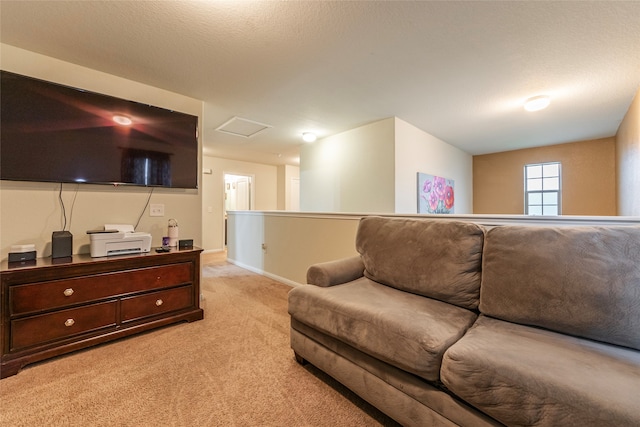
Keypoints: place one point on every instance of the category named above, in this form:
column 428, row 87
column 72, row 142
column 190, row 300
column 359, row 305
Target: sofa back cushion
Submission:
column 583, row 281
column 439, row 259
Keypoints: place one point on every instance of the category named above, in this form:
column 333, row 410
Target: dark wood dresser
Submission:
column 52, row 307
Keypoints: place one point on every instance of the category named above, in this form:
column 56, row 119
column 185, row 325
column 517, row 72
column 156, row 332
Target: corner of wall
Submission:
column 418, row 151
column 628, row 161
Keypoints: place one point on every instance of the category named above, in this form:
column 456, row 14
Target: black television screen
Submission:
column 55, row 133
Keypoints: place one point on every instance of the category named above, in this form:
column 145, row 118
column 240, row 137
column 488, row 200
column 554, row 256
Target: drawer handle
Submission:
column 69, row 322
column 159, row 302
column 68, row 292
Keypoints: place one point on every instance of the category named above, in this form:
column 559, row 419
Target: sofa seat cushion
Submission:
column 407, row 331
column 582, row 281
column 527, row 376
column 439, row 259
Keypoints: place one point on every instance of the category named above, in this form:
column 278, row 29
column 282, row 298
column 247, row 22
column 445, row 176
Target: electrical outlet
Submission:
column 156, row 209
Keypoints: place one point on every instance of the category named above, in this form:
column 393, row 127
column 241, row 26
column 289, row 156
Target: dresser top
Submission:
column 80, row 259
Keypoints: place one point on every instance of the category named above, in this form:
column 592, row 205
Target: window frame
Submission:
column 542, row 191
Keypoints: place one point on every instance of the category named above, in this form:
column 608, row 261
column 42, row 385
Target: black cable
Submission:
column 64, row 212
column 144, row 209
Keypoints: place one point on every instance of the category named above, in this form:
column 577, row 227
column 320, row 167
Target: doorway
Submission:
column 237, row 195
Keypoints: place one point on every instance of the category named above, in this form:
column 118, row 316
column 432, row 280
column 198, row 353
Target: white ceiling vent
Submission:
column 242, row 127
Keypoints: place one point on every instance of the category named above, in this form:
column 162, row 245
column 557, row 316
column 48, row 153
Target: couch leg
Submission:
column 300, row 359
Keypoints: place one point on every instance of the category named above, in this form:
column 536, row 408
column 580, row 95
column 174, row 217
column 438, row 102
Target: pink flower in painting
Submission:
column 426, row 188
column 439, row 183
column 448, row 197
column 433, row 201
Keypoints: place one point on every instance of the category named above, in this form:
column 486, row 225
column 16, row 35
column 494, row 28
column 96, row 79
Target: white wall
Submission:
column 287, row 173
column 628, row 160
column 417, row 151
column 30, row 212
column 374, row 169
column 265, row 192
column 349, row 172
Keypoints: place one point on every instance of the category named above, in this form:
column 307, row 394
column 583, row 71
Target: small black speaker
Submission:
column 61, row 244
column 185, row 243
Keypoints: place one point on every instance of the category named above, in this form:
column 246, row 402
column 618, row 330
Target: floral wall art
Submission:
column 435, row 194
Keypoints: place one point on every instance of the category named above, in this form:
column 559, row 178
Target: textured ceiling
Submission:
column 457, row 70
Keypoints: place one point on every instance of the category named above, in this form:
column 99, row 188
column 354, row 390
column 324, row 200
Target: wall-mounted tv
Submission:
column 55, row 133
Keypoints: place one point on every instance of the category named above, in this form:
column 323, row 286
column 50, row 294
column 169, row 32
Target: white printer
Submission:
column 118, row 239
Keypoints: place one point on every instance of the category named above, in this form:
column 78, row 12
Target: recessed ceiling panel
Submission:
column 242, row 127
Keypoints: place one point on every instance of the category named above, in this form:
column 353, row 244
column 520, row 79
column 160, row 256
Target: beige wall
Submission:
column 352, row 171
column 292, row 241
column 30, row 212
column 265, row 194
column 628, row 158
column 417, row 151
column 588, row 178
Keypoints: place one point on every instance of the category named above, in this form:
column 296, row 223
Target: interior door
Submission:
column 237, row 192
column 237, row 196
column 243, row 193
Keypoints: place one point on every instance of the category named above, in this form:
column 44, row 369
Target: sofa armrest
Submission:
column 335, row 272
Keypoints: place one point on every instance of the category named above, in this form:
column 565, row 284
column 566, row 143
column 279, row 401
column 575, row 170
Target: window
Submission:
column 542, row 189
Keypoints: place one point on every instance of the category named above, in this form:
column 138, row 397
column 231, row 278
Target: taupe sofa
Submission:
column 449, row 323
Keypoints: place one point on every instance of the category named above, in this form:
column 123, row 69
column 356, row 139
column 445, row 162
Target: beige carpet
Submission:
column 234, row 368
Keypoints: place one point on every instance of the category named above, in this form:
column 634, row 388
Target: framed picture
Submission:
column 435, row 194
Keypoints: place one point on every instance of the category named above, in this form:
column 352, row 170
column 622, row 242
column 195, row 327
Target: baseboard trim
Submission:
column 212, row 251
column 264, row 273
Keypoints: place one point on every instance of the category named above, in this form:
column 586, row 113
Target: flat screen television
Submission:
column 55, row 133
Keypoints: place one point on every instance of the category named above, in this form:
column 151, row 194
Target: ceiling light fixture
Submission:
column 537, row 103
column 122, row 120
column 309, row 136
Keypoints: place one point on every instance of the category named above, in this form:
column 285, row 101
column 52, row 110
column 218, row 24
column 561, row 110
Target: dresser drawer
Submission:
column 61, row 324
column 60, row 293
column 154, row 303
